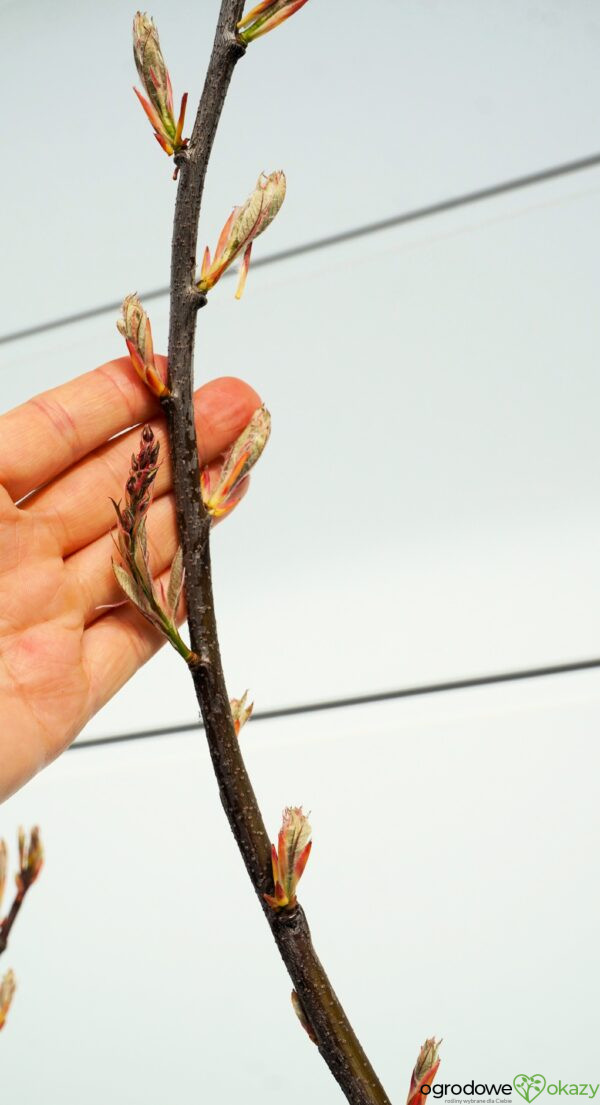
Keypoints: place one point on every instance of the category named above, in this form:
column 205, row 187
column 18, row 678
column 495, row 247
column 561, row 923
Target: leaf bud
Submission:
column 239, row 459
column 243, row 225
column 154, row 76
column 7, row 992
column 265, row 17
column 134, row 325
column 289, row 858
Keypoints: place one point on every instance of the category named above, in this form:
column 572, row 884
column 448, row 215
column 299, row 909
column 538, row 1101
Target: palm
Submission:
column 63, row 654
column 44, row 678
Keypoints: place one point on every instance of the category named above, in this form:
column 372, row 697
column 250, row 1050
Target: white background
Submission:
column 427, row 510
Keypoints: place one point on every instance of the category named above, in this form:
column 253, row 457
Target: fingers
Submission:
column 77, row 504
column 54, row 430
column 92, row 566
column 114, row 647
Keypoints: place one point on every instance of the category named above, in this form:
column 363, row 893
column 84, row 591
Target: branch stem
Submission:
column 8, row 922
column 335, row 1037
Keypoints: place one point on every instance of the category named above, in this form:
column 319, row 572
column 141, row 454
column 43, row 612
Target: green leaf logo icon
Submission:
column 529, row 1086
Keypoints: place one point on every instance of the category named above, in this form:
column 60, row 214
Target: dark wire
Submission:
column 357, row 700
column 415, row 215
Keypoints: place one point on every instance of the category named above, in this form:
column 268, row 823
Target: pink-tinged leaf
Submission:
column 170, row 95
column 122, row 545
column 215, row 274
column 164, row 143
column 235, row 473
column 140, row 562
column 142, row 536
column 254, row 13
column 205, row 262
column 243, row 272
column 149, row 344
column 131, row 589
column 432, row 1073
column 274, row 864
column 282, row 853
column 271, row 24
column 180, row 121
column 425, row 1077
column 241, row 711
column 271, row 901
column 155, row 383
column 302, row 861
column 205, row 485
column 226, row 508
column 278, row 17
column 162, row 596
column 7, row 992
column 175, row 582
column 117, row 507
column 424, row 1071
column 151, row 112
column 253, row 231
column 224, row 235
column 136, row 360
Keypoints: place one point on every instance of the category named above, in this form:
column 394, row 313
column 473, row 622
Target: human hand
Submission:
column 62, row 657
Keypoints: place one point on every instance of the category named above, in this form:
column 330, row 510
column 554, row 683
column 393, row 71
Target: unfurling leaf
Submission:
column 241, row 710
column 134, row 326
column 425, row 1070
column 265, row 17
column 31, row 859
column 289, row 858
column 131, row 589
column 134, row 576
column 243, row 225
column 239, row 459
column 8, row 986
column 154, row 76
column 140, row 559
column 175, row 583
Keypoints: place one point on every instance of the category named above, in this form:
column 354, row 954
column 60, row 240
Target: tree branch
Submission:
column 8, row 922
column 335, row 1038
column 31, row 860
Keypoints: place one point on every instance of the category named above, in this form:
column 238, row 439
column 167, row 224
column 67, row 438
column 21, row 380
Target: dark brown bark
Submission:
column 335, row 1038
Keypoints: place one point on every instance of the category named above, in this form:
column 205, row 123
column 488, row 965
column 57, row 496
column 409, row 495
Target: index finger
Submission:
column 51, row 432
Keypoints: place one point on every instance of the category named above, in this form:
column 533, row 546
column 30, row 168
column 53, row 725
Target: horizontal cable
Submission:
column 415, row 215
column 357, row 700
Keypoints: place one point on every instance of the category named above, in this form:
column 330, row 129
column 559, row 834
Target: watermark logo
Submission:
column 529, row 1086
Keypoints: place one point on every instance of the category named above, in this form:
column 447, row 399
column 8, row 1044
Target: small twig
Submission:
column 9, row 920
column 334, row 1035
column 31, row 859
